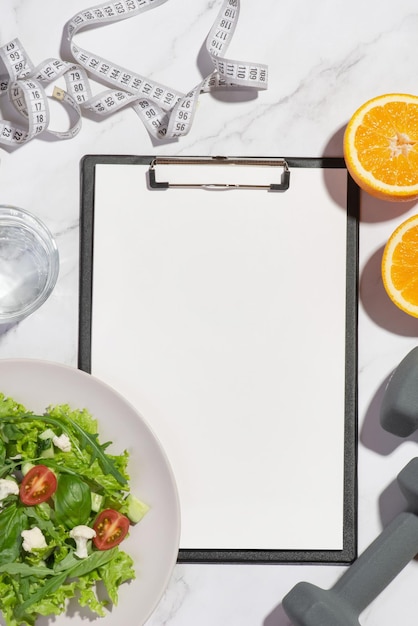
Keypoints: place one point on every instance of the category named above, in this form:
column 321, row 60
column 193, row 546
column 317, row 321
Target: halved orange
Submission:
column 400, row 266
column 381, row 147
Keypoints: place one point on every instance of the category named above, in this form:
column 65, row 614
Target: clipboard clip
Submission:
column 283, row 185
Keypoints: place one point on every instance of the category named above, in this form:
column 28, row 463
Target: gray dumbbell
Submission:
column 309, row 605
column 399, row 409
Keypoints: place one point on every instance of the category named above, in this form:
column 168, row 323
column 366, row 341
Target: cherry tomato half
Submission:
column 37, row 485
column 111, row 528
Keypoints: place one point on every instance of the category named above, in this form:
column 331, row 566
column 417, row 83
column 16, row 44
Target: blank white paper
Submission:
column 220, row 315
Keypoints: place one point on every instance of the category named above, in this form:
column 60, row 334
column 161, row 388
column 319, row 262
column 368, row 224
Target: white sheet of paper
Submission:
column 220, row 315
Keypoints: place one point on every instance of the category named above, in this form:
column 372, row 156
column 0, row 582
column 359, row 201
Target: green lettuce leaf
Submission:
column 8, row 406
column 121, row 570
column 86, row 592
column 9, row 599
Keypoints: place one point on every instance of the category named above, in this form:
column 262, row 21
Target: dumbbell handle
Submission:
column 380, row 563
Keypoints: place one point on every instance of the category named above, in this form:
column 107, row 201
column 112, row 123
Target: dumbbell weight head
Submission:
column 308, row 605
column 399, row 409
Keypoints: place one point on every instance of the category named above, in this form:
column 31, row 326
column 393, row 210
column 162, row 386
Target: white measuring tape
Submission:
column 165, row 112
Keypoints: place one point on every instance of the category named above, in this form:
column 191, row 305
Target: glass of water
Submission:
column 29, row 264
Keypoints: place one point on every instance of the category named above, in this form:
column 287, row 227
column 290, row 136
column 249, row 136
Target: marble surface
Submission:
column 325, row 59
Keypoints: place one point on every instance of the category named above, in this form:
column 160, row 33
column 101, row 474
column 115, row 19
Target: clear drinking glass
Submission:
column 29, row 264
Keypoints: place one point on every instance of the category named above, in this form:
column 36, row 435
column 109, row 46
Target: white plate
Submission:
column 154, row 542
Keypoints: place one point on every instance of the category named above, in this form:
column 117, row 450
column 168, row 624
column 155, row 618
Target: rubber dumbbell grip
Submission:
column 380, row 563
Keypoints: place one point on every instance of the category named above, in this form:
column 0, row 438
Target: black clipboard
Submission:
column 153, row 181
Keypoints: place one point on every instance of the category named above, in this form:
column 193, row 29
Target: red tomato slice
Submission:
column 37, row 485
column 111, row 528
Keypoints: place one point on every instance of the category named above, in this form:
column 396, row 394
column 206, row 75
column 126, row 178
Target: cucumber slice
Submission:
column 96, row 502
column 135, row 509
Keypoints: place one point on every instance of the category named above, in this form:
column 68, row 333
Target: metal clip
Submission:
column 283, row 185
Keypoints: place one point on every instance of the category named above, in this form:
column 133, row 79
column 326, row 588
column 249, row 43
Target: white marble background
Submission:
column 325, row 59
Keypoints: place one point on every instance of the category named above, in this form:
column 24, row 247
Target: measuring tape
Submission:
column 165, row 112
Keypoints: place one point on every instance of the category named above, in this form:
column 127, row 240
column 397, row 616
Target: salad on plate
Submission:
column 65, row 509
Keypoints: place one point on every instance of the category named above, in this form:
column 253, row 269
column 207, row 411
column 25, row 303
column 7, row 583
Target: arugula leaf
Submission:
column 53, row 604
column 97, row 452
column 12, row 522
column 49, row 587
column 73, row 564
column 8, row 467
column 87, row 440
column 24, row 569
column 93, row 561
column 81, row 568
